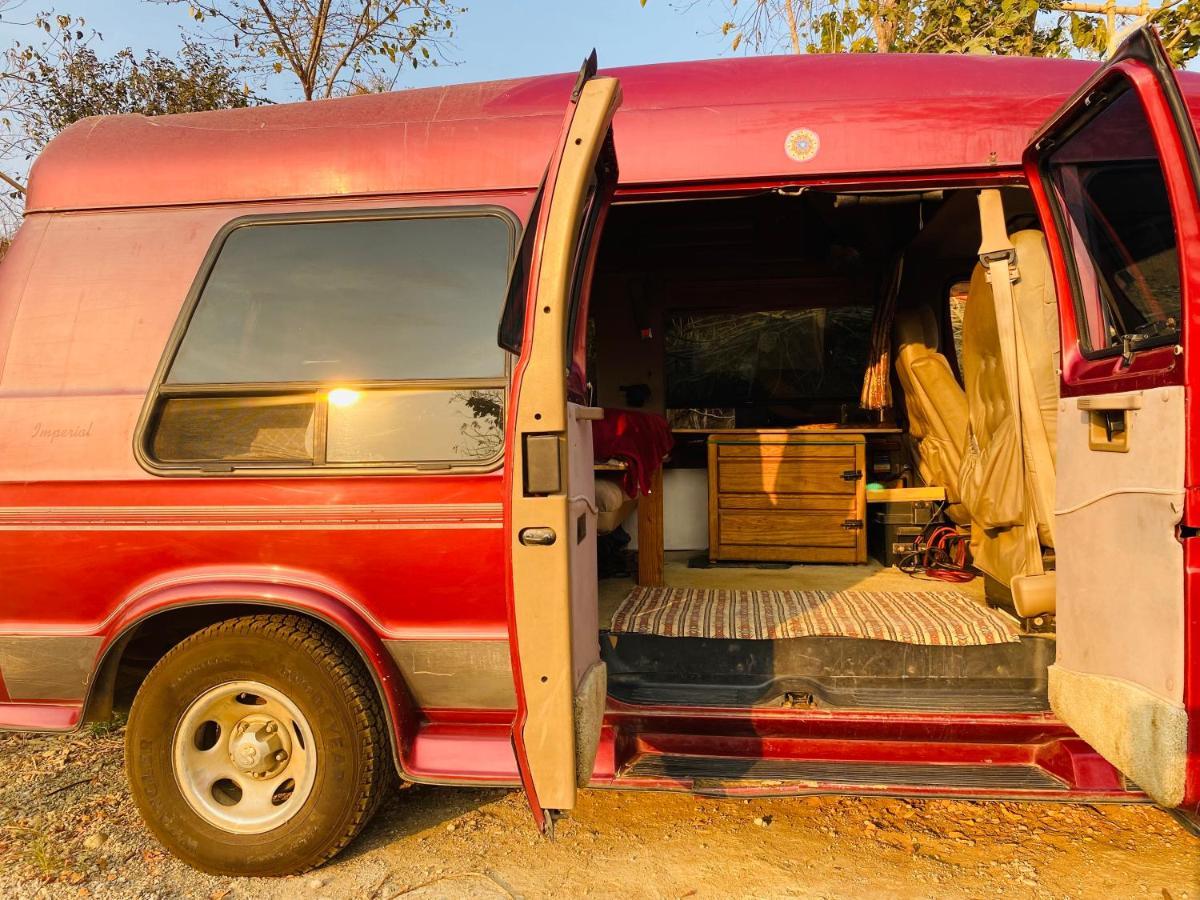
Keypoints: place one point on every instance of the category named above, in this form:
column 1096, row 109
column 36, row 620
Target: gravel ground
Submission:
column 69, row 829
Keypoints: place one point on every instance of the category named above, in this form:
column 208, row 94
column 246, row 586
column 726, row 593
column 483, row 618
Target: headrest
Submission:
column 916, row 325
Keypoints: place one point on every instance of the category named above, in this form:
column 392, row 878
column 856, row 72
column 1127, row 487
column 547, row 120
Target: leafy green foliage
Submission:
column 1024, row 27
column 78, row 82
column 1179, row 25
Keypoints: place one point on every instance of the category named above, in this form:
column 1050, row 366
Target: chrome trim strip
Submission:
column 456, row 674
column 253, row 518
column 47, row 668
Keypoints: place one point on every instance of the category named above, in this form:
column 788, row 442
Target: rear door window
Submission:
column 1111, row 193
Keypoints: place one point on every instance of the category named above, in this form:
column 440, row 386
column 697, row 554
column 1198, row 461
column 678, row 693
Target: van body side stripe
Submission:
column 330, row 517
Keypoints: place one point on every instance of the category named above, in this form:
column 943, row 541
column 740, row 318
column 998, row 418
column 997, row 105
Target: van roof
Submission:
column 712, row 121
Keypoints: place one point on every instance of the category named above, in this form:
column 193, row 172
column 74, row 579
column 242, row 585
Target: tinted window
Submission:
column 761, row 358
column 1112, row 194
column 404, row 425
column 304, row 335
column 376, row 299
column 236, row 429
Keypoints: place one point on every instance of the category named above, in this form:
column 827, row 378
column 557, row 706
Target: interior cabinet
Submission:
column 783, row 496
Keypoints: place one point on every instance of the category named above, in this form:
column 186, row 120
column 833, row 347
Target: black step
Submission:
column 851, row 774
column 914, row 694
column 828, row 673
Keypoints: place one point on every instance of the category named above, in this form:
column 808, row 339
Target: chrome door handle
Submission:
column 537, row 537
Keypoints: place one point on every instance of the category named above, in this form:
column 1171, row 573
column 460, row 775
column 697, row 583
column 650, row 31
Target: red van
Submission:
column 311, row 417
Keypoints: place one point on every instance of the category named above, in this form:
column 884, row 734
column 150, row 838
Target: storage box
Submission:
column 889, row 542
column 904, row 512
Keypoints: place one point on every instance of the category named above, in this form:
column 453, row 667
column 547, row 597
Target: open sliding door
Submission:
column 550, row 520
column 1115, row 175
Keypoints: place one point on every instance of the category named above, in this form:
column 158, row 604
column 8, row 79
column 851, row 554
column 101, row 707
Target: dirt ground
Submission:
column 69, row 829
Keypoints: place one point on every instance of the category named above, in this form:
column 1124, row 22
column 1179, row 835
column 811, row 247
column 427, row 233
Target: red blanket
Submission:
column 639, row 439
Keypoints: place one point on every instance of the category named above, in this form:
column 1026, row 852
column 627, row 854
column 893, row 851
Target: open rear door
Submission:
column 550, row 520
column 1115, row 176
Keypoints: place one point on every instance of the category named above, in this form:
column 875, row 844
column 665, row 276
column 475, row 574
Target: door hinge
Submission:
column 852, row 475
column 852, row 524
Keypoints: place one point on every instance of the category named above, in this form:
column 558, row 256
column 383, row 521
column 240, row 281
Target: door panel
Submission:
column 1114, row 174
column 1119, row 676
column 550, row 518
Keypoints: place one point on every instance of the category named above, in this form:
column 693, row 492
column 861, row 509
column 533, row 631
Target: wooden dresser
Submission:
column 787, row 496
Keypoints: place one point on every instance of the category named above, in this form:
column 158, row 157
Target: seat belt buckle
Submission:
column 991, row 257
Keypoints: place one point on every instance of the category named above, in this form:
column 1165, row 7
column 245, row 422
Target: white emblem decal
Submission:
column 802, row 144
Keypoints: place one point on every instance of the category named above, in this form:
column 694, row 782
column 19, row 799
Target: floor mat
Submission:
column 941, row 618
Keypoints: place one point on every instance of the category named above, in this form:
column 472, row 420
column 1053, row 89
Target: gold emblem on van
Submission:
column 802, row 144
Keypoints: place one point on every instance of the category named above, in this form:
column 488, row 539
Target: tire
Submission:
column 234, row 713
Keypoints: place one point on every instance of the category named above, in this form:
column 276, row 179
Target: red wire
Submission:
column 943, row 555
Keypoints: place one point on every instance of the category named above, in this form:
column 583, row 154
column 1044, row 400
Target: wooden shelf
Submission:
column 799, row 429
column 613, row 465
column 901, row 495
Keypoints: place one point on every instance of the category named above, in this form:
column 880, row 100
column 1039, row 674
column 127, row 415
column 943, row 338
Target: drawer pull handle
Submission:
column 852, row 524
column 852, row 475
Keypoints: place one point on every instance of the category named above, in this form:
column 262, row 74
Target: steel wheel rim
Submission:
column 244, row 757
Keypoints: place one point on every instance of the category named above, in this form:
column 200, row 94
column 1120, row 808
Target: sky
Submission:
column 494, row 39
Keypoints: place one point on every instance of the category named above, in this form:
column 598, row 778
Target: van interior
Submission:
column 819, row 357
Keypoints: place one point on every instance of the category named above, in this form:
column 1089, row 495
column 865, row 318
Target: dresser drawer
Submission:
column 843, row 505
column 787, row 476
column 787, row 451
column 782, row 528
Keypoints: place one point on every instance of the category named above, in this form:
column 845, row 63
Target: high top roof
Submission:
column 694, row 122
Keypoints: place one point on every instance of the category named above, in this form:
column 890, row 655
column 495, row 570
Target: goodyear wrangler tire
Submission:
column 256, row 747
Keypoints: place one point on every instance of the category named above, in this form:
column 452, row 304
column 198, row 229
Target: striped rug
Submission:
column 936, row 619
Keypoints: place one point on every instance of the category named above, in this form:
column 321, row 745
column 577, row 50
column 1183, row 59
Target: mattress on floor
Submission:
column 927, row 618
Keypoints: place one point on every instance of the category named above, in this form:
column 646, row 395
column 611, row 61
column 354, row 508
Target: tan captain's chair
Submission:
column 936, row 405
column 1010, row 359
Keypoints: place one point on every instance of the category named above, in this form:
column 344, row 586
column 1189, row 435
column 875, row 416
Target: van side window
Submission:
column 1110, row 190
column 343, row 342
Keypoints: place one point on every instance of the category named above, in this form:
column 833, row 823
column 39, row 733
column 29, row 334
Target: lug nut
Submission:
column 271, row 728
column 281, row 755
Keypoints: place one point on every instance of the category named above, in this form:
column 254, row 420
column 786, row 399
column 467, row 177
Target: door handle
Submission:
column 1108, row 430
column 1110, row 402
column 537, row 537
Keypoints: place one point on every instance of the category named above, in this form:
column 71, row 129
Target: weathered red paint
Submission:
column 721, row 120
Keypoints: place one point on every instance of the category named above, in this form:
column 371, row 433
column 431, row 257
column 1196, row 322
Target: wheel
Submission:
column 256, row 747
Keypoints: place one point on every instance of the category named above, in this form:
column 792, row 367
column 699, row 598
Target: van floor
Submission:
column 818, row 671
column 870, row 576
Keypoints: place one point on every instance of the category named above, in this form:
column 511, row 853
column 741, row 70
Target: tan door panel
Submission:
column 1119, row 676
column 555, row 634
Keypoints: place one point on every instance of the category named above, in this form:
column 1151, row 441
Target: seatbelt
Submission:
column 998, row 256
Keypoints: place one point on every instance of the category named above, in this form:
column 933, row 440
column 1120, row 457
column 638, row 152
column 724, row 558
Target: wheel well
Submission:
column 135, row 652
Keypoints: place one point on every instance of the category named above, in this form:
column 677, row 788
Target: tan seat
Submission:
column 936, row 405
column 613, row 505
column 1009, row 496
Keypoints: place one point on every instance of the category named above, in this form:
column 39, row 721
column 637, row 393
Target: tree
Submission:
column 1025, row 27
column 78, row 83
column 1179, row 25
column 330, row 46
column 48, row 82
column 18, row 73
